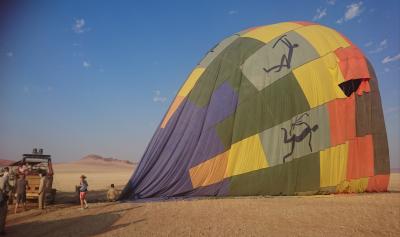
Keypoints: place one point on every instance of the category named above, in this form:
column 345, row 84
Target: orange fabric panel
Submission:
column 209, row 172
column 378, row 183
column 342, row 120
column 352, row 63
column 360, row 163
column 174, row 106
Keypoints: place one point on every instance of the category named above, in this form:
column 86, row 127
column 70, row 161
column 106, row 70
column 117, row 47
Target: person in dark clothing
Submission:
column 20, row 192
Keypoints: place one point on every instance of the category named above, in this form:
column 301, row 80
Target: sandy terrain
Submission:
column 376, row 214
column 98, row 176
column 333, row 215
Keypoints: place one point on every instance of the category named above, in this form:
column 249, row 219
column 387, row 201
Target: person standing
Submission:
column 20, row 192
column 42, row 190
column 82, row 192
column 4, row 189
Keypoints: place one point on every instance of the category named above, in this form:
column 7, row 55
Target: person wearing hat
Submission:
column 82, row 192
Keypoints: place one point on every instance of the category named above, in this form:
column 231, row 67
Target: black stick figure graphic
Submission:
column 307, row 131
column 285, row 60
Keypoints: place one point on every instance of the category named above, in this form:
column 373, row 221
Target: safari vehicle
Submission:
column 32, row 165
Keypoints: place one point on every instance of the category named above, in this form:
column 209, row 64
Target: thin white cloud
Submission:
column 386, row 69
column 232, row 12
column 79, row 26
column 10, row 54
column 352, row 11
column 368, row 44
column 331, row 2
column 389, row 59
column 86, row 64
column 158, row 98
column 320, row 14
column 37, row 89
column 380, row 47
column 383, row 43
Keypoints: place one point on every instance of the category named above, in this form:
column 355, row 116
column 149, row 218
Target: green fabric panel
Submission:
column 246, row 90
column 299, row 175
column 225, row 130
column 273, row 105
column 226, row 66
column 370, row 120
column 273, row 138
column 233, row 60
column 271, row 55
column 216, row 50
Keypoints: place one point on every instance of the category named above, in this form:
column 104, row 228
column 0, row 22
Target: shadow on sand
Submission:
column 87, row 225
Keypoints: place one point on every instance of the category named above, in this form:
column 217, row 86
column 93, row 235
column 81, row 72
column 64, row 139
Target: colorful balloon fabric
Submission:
column 284, row 109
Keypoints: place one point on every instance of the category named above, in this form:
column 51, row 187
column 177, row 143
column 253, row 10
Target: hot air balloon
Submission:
column 286, row 109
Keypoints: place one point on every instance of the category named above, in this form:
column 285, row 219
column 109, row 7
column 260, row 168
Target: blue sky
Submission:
column 81, row 77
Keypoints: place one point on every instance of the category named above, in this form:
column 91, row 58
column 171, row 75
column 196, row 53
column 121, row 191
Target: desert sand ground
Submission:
column 376, row 214
column 99, row 176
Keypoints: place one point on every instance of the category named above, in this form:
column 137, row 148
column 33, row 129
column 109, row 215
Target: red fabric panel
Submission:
column 378, row 183
column 360, row 163
column 352, row 63
column 342, row 120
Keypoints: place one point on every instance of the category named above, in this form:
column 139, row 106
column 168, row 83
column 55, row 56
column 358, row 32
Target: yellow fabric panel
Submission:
column 245, row 156
column 320, row 79
column 267, row 33
column 191, row 81
column 333, row 165
column 178, row 100
column 358, row 185
column 353, row 186
column 209, row 172
column 323, row 39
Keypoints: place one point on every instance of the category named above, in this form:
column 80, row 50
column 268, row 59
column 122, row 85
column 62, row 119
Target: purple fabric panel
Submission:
column 188, row 139
column 222, row 104
column 164, row 171
column 209, row 145
column 217, row 189
column 150, row 156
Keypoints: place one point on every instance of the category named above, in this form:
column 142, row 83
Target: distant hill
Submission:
column 395, row 170
column 5, row 162
column 96, row 159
